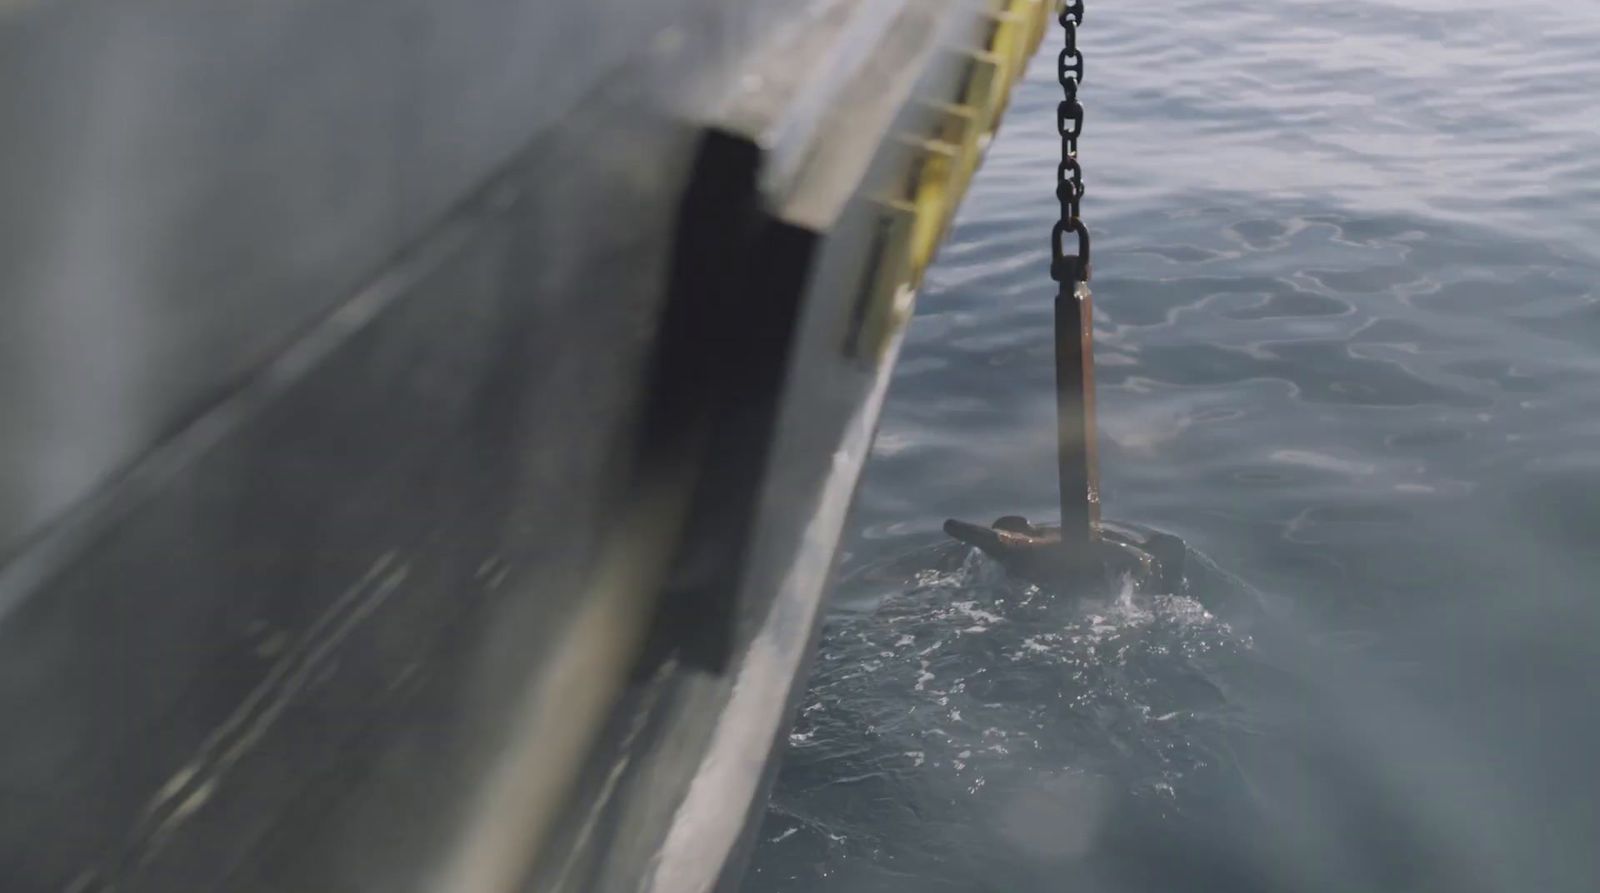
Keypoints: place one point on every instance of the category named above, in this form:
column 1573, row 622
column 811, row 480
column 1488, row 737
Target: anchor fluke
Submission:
column 1040, row 555
column 1034, row 553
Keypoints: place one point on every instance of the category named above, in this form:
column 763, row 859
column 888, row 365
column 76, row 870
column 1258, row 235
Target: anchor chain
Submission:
column 1064, row 267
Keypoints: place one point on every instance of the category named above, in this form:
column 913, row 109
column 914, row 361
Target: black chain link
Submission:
column 1064, row 267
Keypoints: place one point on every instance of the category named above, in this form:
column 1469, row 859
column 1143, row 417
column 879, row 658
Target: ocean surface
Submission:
column 1348, row 335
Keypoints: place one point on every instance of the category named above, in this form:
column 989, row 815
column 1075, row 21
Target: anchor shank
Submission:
column 1075, row 435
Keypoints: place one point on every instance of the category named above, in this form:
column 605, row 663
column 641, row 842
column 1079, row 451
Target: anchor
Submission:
column 1081, row 548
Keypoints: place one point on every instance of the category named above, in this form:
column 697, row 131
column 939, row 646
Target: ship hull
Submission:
column 432, row 429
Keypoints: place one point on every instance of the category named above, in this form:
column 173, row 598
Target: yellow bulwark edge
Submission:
column 914, row 223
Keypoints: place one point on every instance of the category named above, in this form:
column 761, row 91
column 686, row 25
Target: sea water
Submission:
column 1348, row 348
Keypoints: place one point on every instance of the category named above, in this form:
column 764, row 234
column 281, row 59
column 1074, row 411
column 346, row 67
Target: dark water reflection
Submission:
column 1349, row 349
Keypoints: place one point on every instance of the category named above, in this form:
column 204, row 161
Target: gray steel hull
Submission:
column 397, row 489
